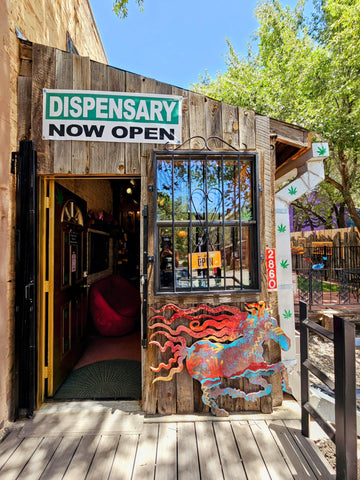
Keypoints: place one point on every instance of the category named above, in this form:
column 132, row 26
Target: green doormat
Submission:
column 109, row 379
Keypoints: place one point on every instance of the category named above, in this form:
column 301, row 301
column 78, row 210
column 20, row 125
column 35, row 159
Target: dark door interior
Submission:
column 96, row 308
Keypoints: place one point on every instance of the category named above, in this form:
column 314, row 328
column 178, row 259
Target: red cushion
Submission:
column 114, row 305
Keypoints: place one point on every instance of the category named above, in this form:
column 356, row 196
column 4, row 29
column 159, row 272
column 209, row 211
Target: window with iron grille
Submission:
column 207, row 222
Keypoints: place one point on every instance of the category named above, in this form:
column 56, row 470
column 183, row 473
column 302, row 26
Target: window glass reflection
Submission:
column 207, row 226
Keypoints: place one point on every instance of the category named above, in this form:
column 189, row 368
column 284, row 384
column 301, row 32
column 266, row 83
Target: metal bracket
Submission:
column 151, row 258
column 150, row 188
column 261, row 188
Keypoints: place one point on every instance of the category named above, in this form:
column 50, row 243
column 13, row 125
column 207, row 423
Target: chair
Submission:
column 114, row 305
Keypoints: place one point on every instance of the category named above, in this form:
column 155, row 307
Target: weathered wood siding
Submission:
column 202, row 117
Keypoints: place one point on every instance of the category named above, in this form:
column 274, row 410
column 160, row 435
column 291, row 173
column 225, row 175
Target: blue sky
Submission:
column 174, row 41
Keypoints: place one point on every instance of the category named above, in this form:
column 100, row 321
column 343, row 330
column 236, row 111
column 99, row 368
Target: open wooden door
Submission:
column 62, row 284
column 70, row 288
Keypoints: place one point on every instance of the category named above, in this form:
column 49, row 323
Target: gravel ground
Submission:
column 321, row 353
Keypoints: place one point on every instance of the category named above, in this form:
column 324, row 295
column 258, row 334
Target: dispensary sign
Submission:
column 111, row 116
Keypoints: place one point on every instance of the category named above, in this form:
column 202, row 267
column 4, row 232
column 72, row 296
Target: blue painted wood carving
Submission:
column 210, row 359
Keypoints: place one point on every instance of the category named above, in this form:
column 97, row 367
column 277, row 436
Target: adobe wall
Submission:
column 5, row 188
column 45, row 22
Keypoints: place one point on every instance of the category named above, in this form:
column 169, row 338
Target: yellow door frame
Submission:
column 46, row 226
column 46, row 290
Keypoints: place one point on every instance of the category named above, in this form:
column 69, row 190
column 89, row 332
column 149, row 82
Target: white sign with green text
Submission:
column 111, row 116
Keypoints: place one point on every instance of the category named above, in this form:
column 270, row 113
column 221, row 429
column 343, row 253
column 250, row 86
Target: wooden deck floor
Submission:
column 119, row 445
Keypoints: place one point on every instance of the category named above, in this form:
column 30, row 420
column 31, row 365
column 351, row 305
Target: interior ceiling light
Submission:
column 129, row 191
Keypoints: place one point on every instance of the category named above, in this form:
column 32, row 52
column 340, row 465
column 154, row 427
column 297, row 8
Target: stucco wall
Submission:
column 5, row 183
column 45, row 22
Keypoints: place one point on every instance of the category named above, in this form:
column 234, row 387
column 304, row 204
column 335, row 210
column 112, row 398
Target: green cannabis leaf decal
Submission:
column 287, row 314
column 281, row 228
column 292, row 190
column 321, row 150
column 284, row 264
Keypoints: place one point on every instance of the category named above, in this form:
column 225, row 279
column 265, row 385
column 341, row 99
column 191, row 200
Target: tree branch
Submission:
column 309, row 211
column 334, row 183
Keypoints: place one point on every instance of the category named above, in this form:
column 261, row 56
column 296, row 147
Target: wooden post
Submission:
column 304, row 344
column 345, row 400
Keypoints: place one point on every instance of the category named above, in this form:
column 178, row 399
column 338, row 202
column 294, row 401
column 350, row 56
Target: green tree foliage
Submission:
column 120, row 7
column 304, row 70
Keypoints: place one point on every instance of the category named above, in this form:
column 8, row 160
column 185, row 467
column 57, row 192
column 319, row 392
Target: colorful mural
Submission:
column 210, row 359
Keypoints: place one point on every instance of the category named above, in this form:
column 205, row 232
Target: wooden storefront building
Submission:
column 108, row 209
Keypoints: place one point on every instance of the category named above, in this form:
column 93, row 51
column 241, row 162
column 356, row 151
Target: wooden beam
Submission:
column 290, row 134
column 25, row 50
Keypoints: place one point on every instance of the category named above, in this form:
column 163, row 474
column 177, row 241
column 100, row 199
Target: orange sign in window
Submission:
column 199, row 260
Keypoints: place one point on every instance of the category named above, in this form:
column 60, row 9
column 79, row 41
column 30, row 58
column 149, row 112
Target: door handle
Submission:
column 29, row 292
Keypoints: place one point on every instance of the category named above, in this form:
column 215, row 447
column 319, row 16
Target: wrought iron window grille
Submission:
column 198, row 185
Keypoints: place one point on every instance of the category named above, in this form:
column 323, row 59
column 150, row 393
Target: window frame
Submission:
column 172, row 224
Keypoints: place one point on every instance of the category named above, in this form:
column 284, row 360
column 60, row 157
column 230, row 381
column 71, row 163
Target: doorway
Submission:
column 89, row 330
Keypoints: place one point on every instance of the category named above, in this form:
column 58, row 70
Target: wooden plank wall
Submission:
column 202, row 117
column 344, row 237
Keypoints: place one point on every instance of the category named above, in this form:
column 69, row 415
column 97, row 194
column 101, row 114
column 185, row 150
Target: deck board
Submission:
column 40, row 458
column 145, row 459
column 229, row 454
column 321, row 469
column 8, row 446
column 293, row 457
column 271, row 454
column 188, row 460
column 250, row 454
column 210, row 465
column 80, row 462
column 57, row 466
column 104, row 458
column 19, row 458
column 124, row 458
column 166, row 462
column 162, row 448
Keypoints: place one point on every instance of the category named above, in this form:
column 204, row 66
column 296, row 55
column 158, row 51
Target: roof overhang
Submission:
column 291, row 143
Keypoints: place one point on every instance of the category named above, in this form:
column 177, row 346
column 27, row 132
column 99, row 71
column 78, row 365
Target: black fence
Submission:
column 327, row 275
column 344, row 433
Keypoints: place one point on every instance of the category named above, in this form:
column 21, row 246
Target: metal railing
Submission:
column 327, row 275
column 344, row 433
column 328, row 287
